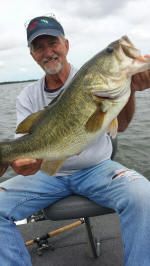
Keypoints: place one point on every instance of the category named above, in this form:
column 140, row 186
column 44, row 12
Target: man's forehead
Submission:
column 44, row 37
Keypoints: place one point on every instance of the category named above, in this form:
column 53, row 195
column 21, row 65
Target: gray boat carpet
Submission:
column 71, row 247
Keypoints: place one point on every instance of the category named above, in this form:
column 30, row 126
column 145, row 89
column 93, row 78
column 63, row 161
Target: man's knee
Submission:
column 131, row 175
column 136, row 189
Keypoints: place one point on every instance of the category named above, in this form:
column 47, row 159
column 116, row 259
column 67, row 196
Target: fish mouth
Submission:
column 130, row 50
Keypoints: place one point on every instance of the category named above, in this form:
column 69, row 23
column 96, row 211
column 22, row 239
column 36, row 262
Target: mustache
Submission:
column 48, row 59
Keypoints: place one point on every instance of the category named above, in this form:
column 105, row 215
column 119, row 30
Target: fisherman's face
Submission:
column 50, row 53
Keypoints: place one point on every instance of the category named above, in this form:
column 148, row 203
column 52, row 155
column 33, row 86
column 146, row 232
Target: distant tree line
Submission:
column 11, row 82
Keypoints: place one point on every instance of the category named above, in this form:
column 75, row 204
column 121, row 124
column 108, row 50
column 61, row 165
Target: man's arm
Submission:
column 126, row 115
column 140, row 82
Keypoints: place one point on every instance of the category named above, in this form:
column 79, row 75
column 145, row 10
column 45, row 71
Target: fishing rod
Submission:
column 42, row 241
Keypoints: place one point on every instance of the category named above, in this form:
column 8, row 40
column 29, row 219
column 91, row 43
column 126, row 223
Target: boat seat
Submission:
column 76, row 206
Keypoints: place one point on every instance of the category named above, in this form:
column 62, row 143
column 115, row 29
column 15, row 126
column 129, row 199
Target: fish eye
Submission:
column 109, row 50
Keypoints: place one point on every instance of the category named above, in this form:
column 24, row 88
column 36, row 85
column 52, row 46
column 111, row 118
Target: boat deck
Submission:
column 71, row 247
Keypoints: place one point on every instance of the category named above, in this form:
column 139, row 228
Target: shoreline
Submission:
column 20, row 81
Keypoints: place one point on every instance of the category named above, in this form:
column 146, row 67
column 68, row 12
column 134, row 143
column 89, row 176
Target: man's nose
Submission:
column 48, row 50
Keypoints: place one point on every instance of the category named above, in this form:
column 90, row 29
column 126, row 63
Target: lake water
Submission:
column 133, row 144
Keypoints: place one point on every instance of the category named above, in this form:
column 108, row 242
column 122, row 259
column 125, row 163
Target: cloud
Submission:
column 89, row 26
column 87, row 9
column 2, row 64
column 10, row 41
column 99, row 9
column 136, row 13
column 23, row 69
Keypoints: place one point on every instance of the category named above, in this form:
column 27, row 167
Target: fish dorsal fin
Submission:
column 51, row 167
column 95, row 122
column 113, row 128
column 54, row 100
column 27, row 123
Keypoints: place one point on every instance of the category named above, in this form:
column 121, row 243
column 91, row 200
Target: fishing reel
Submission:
column 43, row 244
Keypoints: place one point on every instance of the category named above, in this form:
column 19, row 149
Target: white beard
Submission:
column 54, row 71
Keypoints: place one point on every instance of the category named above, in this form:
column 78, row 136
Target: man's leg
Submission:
column 128, row 193
column 23, row 197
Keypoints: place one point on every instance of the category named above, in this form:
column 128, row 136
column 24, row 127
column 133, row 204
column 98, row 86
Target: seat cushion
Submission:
column 73, row 207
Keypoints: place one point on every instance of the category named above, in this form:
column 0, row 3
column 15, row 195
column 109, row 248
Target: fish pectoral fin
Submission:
column 3, row 168
column 95, row 122
column 113, row 128
column 27, row 123
column 51, row 167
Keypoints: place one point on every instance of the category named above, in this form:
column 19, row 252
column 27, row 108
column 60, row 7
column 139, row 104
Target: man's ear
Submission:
column 32, row 54
column 67, row 46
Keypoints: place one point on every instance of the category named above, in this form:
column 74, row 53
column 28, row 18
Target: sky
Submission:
column 89, row 25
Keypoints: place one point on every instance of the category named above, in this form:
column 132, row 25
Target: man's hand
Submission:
column 26, row 166
column 141, row 81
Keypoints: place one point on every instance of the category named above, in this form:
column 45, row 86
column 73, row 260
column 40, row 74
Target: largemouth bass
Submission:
column 85, row 109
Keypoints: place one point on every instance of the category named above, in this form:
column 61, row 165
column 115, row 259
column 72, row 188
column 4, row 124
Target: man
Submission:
column 91, row 174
